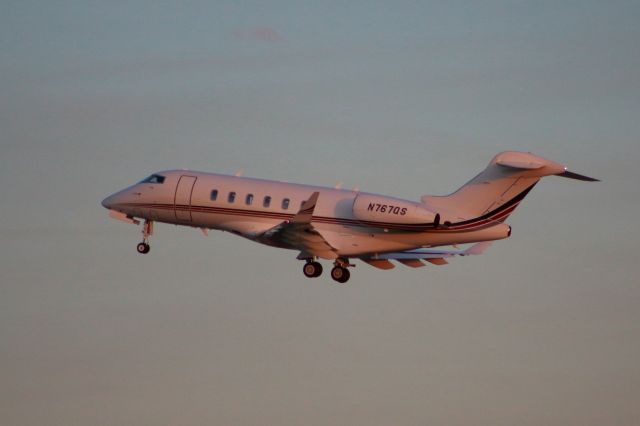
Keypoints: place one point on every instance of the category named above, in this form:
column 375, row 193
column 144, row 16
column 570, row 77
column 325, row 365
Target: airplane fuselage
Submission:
column 249, row 207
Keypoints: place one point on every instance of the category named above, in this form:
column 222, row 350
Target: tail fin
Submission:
column 498, row 189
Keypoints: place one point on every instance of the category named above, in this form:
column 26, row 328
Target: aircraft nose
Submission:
column 108, row 202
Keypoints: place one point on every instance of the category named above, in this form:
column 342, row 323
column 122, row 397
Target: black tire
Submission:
column 312, row 269
column 143, row 248
column 318, row 269
column 340, row 274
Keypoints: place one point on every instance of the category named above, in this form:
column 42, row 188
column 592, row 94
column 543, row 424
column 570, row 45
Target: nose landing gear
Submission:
column 147, row 231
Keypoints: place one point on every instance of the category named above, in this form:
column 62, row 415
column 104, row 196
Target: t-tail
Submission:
column 496, row 192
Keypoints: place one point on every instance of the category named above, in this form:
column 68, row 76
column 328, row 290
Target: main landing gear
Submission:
column 312, row 269
column 147, row 231
column 339, row 272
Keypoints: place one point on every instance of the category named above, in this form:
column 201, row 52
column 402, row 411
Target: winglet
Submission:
column 306, row 211
column 478, row 248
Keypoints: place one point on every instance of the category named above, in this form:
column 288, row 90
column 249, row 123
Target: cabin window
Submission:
column 214, row 194
column 232, row 197
column 154, row 179
column 285, row 204
column 267, row 201
column 249, row 199
column 301, row 203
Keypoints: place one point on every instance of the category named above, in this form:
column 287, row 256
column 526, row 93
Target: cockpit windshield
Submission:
column 153, row 179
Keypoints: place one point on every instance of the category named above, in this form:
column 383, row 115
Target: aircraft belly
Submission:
column 351, row 242
column 348, row 241
column 247, row 227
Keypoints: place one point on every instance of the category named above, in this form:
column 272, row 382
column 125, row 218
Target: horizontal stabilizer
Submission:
column 576, row 176
column 524, row 165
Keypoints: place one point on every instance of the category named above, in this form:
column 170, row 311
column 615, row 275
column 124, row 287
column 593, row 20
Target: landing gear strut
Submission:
column 147, row 231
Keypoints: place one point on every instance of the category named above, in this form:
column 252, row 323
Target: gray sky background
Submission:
column 402, row 98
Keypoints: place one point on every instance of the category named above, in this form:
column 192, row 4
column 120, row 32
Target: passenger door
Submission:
column 182, row 199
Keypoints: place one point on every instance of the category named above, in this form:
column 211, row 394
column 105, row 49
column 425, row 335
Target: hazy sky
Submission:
column 405, row 98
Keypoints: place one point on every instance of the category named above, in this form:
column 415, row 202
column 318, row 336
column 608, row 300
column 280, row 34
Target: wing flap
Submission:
column 412, row 263
column 437, row 261
column 379, row 263
column 414, row 258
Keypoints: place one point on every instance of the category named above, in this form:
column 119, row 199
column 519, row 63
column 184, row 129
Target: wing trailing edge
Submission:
column 415, row 258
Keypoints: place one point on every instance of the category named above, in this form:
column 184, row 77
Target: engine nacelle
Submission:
column 390, row 210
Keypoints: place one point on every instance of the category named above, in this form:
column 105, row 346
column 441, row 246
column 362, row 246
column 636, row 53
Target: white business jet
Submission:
column 337, row 224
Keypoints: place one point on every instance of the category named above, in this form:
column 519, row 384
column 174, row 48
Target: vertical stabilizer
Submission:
column 497, row 190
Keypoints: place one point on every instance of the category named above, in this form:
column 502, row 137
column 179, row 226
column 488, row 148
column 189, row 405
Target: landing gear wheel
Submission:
column 312, row 269
column 143, row 248
column 340, row 274
column 147, row 231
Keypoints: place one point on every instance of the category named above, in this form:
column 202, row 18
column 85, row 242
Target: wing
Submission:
column 414, row 258
column 298, row 233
